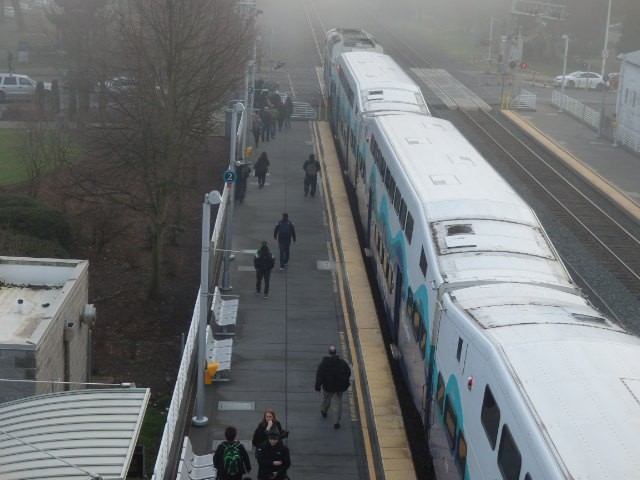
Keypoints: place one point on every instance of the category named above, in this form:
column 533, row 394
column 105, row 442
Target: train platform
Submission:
column 612, row 169
column 279, row 341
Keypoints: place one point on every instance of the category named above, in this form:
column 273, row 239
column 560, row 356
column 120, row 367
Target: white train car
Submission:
column 515, row 374
column 368, row 83
column 338, row 41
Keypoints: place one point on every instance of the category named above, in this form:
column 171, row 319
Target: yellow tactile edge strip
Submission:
column 394, row 449
column 609, row 190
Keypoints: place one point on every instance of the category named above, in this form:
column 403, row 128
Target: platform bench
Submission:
column 219, row 351
column 225, row 310
column 195, row 467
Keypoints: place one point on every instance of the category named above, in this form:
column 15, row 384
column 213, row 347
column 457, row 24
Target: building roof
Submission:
column 78, row 434
column 631, row 57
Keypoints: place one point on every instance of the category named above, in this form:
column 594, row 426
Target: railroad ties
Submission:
column 450, row 91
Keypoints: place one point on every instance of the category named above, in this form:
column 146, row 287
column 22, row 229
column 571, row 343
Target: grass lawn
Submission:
column 12, row 170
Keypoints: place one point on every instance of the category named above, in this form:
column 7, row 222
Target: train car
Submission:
column 515, row 374
column 338, row 41
column 369, row 82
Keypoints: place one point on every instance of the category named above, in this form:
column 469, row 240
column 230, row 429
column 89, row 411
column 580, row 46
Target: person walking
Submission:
column 284, row 233
column 242, row 174
column 288, row 108
column 263, row 261
column 268, row 423
column 273, row 458
column 275, row 114
column 256, row 128
column 261, row 168
column 231, row 459
column 265, row 118
column 333, row 378
column 311, row 168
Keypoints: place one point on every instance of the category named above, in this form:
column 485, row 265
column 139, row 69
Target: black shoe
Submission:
column 336, row 426
column 323, row 413
column 305, row 194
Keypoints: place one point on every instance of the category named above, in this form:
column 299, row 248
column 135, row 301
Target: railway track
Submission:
column 613, row 239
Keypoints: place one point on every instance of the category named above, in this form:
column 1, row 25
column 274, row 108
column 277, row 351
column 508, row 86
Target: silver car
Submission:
column 16, row 87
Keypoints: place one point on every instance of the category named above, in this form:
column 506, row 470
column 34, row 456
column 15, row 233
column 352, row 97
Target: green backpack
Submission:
column 231, row 459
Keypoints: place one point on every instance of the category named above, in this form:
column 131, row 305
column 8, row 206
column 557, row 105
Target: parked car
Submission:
column 16, row 87
column 580, row 80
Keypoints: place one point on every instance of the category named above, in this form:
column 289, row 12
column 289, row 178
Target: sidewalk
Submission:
column 281, row 340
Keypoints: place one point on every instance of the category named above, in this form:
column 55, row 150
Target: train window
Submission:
column 403, row 213
column 450, row 422
column 459, row 230
column 461, row 455
column 423, row 262
column 410, row 303
column 408, row 230
column 387, row 178
column 397, row 201
column 440, row 392
column 509, row 458
column 392, row 190
column 490, row 417
column 423, row 341
column 416, row 321
column 459, row 352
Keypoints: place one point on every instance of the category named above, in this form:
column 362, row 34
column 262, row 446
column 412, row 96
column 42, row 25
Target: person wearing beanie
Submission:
column 263, row 262
column 273, row 457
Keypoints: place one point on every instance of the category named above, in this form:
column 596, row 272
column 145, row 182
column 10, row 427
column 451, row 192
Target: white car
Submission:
column 580, row 80
column 16, row 87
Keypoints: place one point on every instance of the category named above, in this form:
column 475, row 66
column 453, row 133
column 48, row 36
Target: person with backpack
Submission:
column 263, row 262
column 261, row 168
column 273, row 458
column 311, row 168
column 333, row 377
column 284, row 233
column 231, row 459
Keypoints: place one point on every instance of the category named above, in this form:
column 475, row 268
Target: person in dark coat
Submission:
column 284, row 233
column 333, row 378
column 261, row 168
column 268, row 423
column 288, row 108
column 273, row 458
column 256, row 128
column 265, row 117
column 263, row 261
column 229, row 449
column 311, row 168
column 242, row 174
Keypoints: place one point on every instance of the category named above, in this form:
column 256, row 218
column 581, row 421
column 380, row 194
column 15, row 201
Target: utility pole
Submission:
column 605, row 49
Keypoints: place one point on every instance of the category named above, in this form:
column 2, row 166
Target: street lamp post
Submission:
column 565, row 37
column 212, row 198
column 605, row 52
column 226, row 280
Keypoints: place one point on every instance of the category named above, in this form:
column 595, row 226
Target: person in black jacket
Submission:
column 311, row 168
column 273, row 458
column 284, row 233
column 261, row 168
column 231, row 459
column 263, row 262
column 268, row 423
column 333, row 378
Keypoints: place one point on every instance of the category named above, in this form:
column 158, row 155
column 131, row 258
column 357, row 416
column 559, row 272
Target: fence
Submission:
column 628, row 138
column 525, row 101
column 171, row 443
column 579, row 110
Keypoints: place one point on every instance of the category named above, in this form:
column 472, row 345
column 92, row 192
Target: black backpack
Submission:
column 231, row 459
column 265, row 260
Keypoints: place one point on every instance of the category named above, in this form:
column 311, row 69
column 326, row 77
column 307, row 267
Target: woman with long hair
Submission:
column 269, row 422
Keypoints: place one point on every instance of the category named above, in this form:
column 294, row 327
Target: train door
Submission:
column 397, row 303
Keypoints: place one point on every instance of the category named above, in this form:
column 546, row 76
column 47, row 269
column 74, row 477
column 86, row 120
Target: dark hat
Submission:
column 264, row 244
column 273, row 433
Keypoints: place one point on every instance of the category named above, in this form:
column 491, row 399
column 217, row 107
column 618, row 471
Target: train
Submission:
column 515, row 374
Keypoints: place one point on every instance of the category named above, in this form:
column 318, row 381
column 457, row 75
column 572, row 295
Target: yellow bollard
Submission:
column 210, row 372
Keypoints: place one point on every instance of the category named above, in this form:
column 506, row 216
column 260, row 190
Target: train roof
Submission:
column 382, row 84
column 579, row 370
column 482, row 229
column 353, row 38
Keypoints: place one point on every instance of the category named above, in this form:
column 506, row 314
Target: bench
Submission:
column 225, row 310
column 195, row 467
column 219, row 351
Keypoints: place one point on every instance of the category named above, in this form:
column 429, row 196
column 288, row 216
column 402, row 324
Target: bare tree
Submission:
column 176, row 61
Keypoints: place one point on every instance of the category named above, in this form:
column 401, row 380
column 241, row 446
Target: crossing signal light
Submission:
column 523, row 65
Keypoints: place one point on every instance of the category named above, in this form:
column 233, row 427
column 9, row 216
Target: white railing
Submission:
column 579, row 110
column 525, row 101
column 303, row 111
column 628, row 138
column 176, row 415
